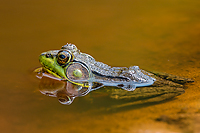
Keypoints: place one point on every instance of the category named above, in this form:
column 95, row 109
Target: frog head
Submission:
column 62, row 65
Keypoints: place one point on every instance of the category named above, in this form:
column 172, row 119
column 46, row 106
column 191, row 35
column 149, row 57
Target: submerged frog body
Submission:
column 72, row 65
column 84, row 74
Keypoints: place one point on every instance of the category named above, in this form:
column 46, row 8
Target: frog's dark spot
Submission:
column 120, row 85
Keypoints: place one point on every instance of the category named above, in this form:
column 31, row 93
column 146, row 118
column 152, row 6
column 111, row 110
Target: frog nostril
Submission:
column 48, row 55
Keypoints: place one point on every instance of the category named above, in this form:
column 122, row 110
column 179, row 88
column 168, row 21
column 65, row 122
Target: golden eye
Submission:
column 63, row 57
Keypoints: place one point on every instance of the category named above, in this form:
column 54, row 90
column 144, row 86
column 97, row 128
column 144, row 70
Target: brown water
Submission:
column 155, row 35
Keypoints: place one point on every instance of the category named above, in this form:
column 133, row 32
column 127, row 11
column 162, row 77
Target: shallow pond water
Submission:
column 155, row 35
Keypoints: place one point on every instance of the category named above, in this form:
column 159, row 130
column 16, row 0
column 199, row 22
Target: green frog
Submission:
column 79, row 73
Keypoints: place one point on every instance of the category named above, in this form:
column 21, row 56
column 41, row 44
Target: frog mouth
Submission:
column 49, row 66
column 48, row 73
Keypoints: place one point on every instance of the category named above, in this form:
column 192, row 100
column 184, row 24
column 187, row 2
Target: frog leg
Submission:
column 173, row 78
column 96, row 85
column 38, row 70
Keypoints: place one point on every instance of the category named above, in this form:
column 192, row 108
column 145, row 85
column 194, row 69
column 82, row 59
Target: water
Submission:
column 155, row 35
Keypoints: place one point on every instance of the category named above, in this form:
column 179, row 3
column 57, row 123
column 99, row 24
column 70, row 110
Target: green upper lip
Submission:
column 52, row 65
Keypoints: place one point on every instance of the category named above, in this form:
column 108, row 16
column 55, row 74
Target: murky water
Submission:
column 155, row 35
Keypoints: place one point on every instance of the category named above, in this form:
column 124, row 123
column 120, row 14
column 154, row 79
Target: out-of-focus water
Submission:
column 155, row 35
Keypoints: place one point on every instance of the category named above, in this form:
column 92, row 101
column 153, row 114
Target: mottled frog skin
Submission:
column 80, row 74
column 94, row 71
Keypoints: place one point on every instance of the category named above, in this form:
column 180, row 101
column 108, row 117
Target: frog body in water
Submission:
column 83, row 74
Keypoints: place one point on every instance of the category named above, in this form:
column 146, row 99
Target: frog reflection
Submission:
column 65, row 91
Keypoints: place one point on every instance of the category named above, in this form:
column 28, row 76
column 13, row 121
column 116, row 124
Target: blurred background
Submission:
column 155, row 35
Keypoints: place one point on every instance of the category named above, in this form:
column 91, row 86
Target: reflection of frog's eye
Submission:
column 49, row 55
column 63, row 57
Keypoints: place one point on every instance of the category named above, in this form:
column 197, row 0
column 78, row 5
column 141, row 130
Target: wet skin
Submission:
column 72, row 65
column 81, row 71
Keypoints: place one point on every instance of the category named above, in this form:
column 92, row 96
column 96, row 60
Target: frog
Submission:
column 79, row 73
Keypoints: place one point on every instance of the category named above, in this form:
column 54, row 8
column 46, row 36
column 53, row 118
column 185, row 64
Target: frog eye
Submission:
column 63, row 57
